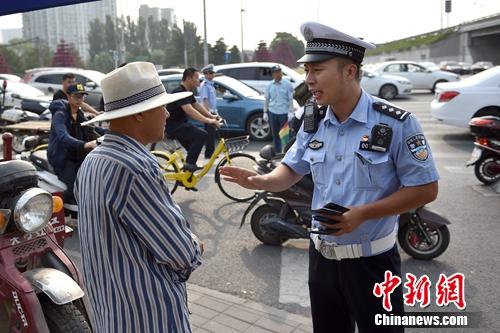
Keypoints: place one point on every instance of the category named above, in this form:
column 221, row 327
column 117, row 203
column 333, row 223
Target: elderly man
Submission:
column 137, row 247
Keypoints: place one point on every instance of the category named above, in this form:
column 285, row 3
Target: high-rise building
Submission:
column 158, row 14
column 71, row 23
column 7, row 34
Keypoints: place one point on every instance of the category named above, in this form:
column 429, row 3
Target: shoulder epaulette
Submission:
column 391, row 111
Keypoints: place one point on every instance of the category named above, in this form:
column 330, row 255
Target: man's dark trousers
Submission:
column 67, row 174
column 191, row 137
column 342, row 292
column 210, row 144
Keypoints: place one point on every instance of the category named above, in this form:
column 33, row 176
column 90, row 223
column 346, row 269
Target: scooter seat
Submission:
column 39, row 159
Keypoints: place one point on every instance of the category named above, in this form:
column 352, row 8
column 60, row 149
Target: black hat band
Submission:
column 135, row 99
column 335, row 48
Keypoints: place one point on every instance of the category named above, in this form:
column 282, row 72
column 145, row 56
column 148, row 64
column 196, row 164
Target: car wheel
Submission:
column 491, row 111
column 257, row 128
column 435, row 83
column 388, row 91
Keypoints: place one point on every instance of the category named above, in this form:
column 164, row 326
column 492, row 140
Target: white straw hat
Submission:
column 131, row 89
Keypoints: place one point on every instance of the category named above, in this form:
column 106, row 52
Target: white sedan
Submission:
column 385, row 86
column 455, row 103
column 420, row 77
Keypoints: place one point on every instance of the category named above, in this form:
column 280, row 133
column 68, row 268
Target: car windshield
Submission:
column 238, row 86
column 94, row 76
column 484, row 75
column 23, row 89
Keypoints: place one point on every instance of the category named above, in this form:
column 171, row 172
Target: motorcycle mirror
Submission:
column 4, row 85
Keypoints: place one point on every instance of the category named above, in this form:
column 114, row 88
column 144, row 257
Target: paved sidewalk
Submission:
column 214, row 311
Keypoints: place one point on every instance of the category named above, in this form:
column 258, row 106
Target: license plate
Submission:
column 476, row 154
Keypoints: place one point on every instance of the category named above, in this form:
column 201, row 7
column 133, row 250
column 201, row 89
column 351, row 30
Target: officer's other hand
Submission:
column 265, row 116
column 347, row 222
column 243, row 177
column 90, row 145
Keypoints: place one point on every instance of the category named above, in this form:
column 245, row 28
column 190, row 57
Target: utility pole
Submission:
column 205, row 46
column 241, row 18
column 185, row 45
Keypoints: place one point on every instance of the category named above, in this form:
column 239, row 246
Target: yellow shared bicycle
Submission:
column 172, row 160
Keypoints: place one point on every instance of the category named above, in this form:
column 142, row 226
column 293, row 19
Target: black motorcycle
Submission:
column 486, row 154
column 423, row 234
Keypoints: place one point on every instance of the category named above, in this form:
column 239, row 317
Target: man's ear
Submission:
column 350, row 71
column 139, row 117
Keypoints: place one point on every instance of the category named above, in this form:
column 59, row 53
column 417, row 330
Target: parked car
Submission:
column 258, row 74
column 480, row 66
column 420, row 77
column 385, row 86
column 466, row 68
column 429, row 65
column 450, row 66
column 456, row 103
column 170, row 71
column 26, row 97
column 10, row 77
column 49, row 81
column 239, row 104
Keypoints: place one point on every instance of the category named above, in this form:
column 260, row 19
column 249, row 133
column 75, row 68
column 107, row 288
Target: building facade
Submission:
column 71, row 23
column 158, row 14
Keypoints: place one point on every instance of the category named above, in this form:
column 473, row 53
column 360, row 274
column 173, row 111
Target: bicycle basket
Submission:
column 237, row 144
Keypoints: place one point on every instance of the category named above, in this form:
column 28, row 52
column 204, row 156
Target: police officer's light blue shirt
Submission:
column 207, row 91
column 279, row 95
column 346, row 175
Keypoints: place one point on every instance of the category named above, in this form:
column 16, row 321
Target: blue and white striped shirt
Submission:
column 137, row 247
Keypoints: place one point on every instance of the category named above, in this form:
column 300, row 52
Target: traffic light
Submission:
column 447, row 6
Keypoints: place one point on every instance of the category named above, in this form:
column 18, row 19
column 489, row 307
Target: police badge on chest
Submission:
column 380, row 139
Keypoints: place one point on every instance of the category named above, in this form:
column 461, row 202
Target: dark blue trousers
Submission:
column 342, row 292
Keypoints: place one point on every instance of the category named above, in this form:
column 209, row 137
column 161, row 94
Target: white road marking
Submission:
column 294, row 273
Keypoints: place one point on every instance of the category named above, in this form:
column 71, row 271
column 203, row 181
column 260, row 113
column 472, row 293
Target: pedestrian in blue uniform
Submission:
column 278, row 104
column 137, row 247
column 208, row 99
column 364, row 154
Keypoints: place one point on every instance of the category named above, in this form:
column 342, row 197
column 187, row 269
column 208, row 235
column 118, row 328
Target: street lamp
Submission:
column 205, row 46
column 241, row 18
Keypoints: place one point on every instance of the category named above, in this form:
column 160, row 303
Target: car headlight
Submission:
column 33, row 210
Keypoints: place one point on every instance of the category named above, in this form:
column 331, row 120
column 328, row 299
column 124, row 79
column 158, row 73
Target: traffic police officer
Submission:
column 208, row 99
column 364, row 154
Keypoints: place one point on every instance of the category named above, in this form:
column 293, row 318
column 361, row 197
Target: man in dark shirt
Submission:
column 191, row 137
column 69, row 79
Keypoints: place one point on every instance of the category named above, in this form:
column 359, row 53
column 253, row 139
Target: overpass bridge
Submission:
column 472, row 41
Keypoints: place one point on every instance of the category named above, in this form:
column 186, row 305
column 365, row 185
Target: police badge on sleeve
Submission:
column 417, row 145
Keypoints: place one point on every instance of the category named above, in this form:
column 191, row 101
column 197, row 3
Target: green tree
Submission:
column 110, row 39
column 140, row 38
column 157, row 57
column 102, row 62
column 165, row 34
column 174, row 52
column 96, row 38
column 23, row 54
column 218, row 51
column 295, row 44
column 234, row 55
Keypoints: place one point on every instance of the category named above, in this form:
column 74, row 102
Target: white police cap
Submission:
column 208, row 68
column 324, row 43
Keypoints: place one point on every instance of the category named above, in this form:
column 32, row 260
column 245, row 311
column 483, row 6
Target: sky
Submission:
column 375, row 21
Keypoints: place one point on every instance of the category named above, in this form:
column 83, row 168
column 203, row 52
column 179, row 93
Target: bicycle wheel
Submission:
column 168, row 168
column 232, row 190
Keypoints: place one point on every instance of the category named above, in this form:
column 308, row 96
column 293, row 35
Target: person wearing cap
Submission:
column 365, row 154
column 69, row 79
column 278, row 104
column 137, row 247
column 191, row 137
column 69, row 141
column 208, row 99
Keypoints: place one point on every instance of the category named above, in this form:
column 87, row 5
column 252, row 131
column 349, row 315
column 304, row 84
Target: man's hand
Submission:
column 265, row 116
column 347, row 222
column 243, row 177
column 214, row 122
column 90, row 145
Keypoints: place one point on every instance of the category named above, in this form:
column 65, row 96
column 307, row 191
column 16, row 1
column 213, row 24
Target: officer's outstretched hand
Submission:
column 347, row 222
column 243, row 177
